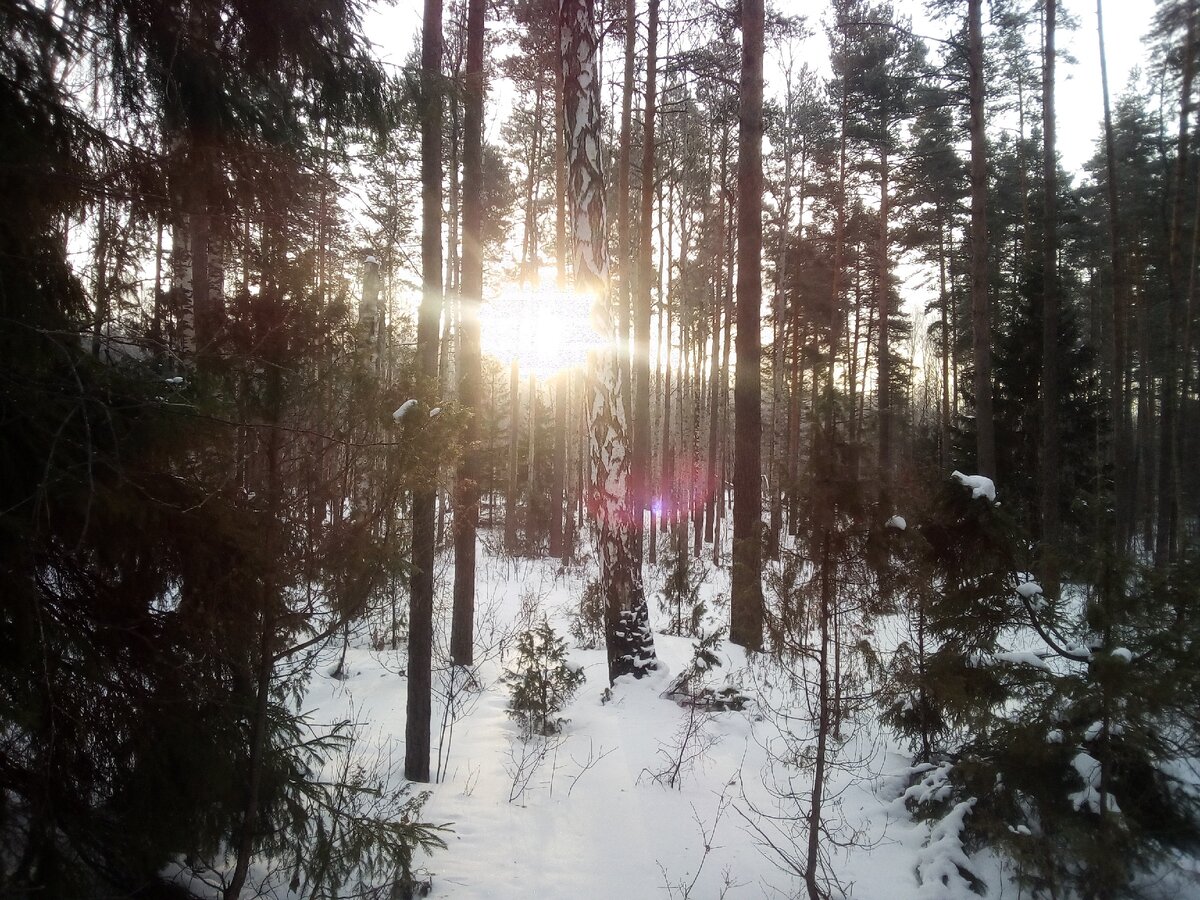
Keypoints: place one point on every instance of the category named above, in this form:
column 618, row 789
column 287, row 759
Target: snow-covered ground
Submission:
column 590, row 813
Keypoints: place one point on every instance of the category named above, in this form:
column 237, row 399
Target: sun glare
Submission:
column 545, row 329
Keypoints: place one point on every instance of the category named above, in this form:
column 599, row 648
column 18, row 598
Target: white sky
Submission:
column 1079, row 100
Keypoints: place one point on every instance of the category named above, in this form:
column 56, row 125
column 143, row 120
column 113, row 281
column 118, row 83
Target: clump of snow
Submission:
column 934, row 786
column 943, row 867
column 371, row 260
column 1123, row 653
column 980, row 485
column 403, row 410
column 1088, row 769
column 1026, row 657
column 1029, row 589
column 435, row 412
column 1094, row 731
column 897, row 522
column 175, row 379
column 1054, row 736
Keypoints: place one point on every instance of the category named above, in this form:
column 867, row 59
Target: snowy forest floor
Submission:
column 593, row 812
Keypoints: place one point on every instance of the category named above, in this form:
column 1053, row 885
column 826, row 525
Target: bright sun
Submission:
column 545, row 329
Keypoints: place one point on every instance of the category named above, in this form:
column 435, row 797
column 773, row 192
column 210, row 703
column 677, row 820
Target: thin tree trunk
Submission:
column 559, row 546
column 1168, row 507
column 1049, row 454
column 640, row 468
column 466, row 513
column 1118, row 410
column 514, row 457
column 715, row 390
column 885, row 348
column 985, row 434
column 624, row 245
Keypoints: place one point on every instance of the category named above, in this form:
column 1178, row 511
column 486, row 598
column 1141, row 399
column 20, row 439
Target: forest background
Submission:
column 246, row 271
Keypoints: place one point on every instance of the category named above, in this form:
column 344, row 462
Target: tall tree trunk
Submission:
column 1118, row 409
column 716, row 390
column 559, row 547
column 420, row 618
column 1050, row 299
column 627, row 630
column 746, row 602
column 1168, row 506
column 885, row 344
column 947, row 344
column 776, row 457
column 640, row 469
column 466, row 512
column 624, row 245
column 511, row 491
column 981, row 327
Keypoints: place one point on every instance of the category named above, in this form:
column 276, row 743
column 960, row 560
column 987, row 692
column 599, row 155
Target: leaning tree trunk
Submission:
column 746, row 605
column 466, row 512
column 420, row 620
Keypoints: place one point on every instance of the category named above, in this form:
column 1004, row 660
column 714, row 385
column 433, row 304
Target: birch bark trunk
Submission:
column 627, row 631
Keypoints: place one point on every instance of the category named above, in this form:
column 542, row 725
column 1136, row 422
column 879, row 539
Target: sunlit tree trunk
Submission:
column 559, row 544
column 627, row 630
column 624, row 246
column 466, row 513
column 641, row 313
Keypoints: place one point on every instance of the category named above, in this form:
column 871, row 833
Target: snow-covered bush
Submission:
column 541, row 682
column 1065, row 719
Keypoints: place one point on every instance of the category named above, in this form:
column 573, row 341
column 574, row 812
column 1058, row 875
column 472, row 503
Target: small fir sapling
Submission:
column 680, row 594
column 1064, row 752
column 691, row 687
column 542, row 681
column 586, row 624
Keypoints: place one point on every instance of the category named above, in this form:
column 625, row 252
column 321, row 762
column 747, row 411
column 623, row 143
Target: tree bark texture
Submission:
column 627, row 630
column 420, row 619
column 746, row 605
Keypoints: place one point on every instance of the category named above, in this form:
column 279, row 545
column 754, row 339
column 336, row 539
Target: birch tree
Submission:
column 627, row 631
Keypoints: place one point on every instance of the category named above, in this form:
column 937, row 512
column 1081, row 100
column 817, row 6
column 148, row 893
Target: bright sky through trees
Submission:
column 394, row 28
